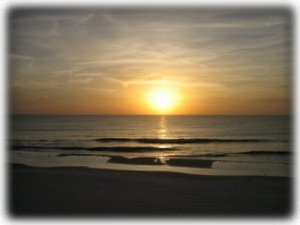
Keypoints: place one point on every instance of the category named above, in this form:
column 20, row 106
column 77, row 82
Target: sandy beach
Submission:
column 79, row 191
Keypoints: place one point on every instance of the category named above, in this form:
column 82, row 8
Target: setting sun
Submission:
column 162, row 100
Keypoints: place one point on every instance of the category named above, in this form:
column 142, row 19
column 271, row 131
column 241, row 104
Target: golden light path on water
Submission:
column 162, row 134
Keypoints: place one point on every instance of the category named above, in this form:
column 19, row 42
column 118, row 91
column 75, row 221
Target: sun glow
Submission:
column 163, row 100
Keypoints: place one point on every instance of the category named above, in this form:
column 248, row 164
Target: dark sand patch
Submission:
column 199, row 163
column 202, row 155
column 137, row 161
column 75, row 154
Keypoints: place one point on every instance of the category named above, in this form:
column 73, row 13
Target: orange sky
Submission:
column 210, row 61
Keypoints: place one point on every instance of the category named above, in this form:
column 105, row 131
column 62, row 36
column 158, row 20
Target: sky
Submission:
column 226, row 61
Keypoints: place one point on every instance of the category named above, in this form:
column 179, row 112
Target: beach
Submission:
column 79, row 191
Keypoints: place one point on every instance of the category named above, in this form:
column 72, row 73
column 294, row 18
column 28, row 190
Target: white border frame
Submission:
column 5, row 218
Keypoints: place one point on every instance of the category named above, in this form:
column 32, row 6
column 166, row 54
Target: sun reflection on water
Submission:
column 162, row 130
column 163, row 134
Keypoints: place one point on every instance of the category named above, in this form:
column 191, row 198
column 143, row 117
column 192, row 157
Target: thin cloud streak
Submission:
column 202, row 52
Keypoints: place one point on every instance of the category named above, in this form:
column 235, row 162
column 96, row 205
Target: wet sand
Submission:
column 96, row 192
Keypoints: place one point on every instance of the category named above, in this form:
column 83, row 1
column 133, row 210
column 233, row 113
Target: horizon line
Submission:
column 59, row 114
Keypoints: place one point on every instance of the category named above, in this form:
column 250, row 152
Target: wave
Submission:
column 219, row 155
column 222, row 155
column 181, row 140
column 261, row 153
column 113, row 149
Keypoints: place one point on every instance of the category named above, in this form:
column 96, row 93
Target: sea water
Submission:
column 215, row 145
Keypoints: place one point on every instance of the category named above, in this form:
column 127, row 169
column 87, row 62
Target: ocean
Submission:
column 202, row 145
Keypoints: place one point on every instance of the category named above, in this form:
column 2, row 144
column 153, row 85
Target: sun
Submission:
column 162, row 100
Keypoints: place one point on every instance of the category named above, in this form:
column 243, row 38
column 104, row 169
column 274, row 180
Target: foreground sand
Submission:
column 93, row 192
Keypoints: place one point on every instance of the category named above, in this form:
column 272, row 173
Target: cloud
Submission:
column 110, row 49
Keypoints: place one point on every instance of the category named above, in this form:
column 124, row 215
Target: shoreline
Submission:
column 79, row 191
column 212, row 165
